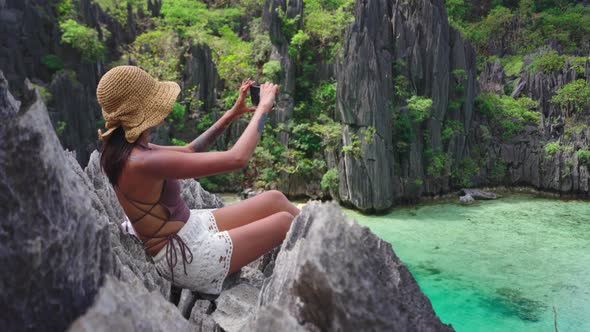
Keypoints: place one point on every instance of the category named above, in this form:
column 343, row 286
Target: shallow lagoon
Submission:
column 498, row 265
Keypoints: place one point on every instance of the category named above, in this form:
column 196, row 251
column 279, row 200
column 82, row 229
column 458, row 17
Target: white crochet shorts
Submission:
column 211, row 251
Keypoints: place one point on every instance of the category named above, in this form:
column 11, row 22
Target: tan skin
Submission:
column 256, row 225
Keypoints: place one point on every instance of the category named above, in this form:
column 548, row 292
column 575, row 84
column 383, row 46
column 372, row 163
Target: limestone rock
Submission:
column 128, row 306
column 235, row 306
column 466, row 200
column 392, row 42
column 492, row 77
column 272, row 24
column 201, row 318
column 478, row 194
column 332, row 274
column 200, row 71
column 54, row 246
column 198, row 198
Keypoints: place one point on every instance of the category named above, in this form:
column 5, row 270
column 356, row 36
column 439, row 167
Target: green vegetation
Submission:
column 551, row 148
column 324, row 22
column 83, row 39
column 584, row 157
column 177, row 141
column 330, row 180
column 438, row 163
column 370, row 133
column 354, row 147
column 61, row 127
column 548, row 63
column 45, row 94
column 402, row 132
column 176, row 116
column 272, row 70
column 118, row 8
column 462, row 174
column 451, row 127
column 297, row 42
column 507, row 114
column 419, row 108
column 64, row 8
column 52, row 62
column 156, row 51
column 572, row 96
column 521, row 26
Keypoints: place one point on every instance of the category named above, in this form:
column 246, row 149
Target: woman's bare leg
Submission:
column 252, row 209
column 254, row 239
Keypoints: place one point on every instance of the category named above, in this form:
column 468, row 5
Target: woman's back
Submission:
column 154, row 206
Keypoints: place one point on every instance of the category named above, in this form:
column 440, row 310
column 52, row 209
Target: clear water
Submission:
column 498, row 265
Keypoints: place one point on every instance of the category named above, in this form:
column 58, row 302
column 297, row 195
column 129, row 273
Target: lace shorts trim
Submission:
column 212, row 251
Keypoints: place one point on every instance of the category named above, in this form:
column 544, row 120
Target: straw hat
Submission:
column 132, row 99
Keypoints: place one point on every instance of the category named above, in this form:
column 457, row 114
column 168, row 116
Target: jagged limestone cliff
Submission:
column 391, row 40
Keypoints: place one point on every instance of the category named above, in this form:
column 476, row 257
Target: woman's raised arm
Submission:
column 202, row 143
column 179, row 165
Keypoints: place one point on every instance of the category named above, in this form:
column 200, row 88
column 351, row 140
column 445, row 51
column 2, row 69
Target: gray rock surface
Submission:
column 479, row 194
column 400, row 45
column 54, row 245
column 200, row 72
column 201, row 316
column 271, row 23
column 466, row 200
column 29, row 32
column 333, row 274
column 235, row 305
column 492, row 77
column 523, row 156
column 128, row 306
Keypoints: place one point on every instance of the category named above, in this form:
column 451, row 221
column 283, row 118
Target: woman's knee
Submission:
column 276, row 196
column 285, row 218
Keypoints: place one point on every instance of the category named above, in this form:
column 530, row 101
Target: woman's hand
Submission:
column 268, row 92
column 240, row 106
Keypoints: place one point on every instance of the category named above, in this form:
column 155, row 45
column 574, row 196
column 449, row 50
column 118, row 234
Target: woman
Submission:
column 198, row 248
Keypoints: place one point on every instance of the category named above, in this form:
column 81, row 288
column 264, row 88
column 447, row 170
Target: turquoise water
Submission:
column 498, row 265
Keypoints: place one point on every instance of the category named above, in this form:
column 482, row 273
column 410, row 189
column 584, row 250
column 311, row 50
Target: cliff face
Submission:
column 69, row 265
column 525, row 158
column 399, row 49
column 388, row 41
column 29, row 33
column 271, row 23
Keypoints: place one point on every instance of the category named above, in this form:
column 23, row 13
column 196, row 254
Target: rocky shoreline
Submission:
column 68, row 265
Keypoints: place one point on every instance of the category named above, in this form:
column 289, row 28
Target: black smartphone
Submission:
column 255, row 94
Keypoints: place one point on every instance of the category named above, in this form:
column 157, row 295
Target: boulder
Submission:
column 478, row 194
column 129, row 306
column 54, row 245
column 466, row 200
column 332, row 274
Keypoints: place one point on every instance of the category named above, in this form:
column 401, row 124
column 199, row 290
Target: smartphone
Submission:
column 255, row 94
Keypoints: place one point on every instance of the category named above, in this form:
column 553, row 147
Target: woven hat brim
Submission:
column 157, row 107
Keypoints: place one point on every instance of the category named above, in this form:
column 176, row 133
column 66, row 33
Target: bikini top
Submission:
column 177, row 209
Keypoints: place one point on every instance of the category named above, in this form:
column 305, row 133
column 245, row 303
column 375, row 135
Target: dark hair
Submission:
column 114, row 153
